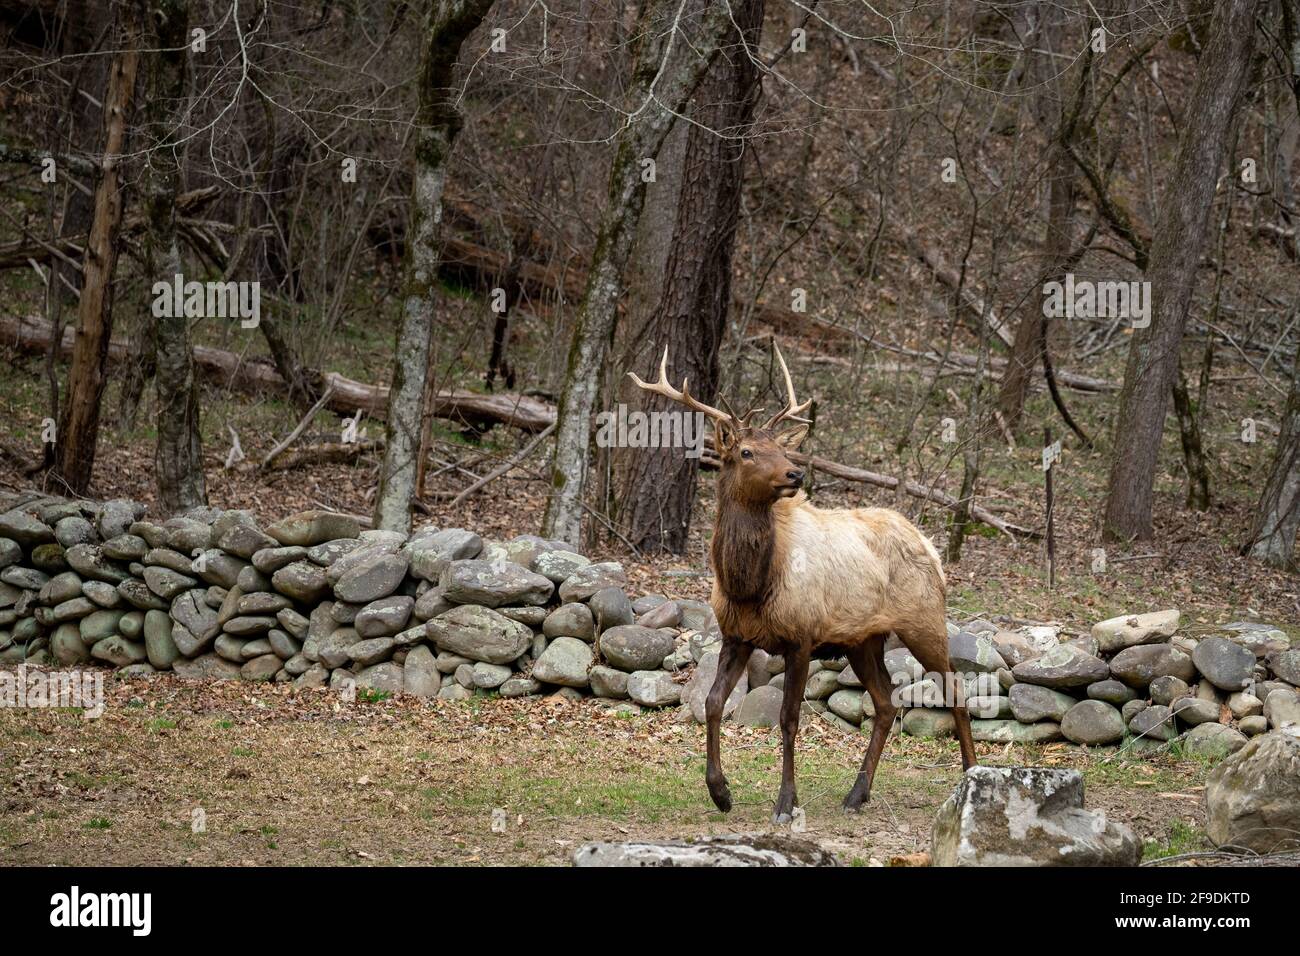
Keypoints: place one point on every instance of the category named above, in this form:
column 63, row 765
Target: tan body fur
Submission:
column 838, row 576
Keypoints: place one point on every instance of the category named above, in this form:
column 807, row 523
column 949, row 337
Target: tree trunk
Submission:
column 178, row 456
column 448, row 24
column 691, row 317
column 77, row 131
column 1175, row 253
column 79, row 426
column 1277, row 516
column 1029, row 343
column 655, row 102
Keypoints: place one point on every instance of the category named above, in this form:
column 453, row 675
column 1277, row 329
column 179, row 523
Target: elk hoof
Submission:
column 780, row 819
column 853, row 803
column 721, row 797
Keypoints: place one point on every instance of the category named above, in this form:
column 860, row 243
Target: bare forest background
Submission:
column 469, row 220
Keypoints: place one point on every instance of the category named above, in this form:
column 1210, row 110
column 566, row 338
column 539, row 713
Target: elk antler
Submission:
column 662, row 387
column 792, row 409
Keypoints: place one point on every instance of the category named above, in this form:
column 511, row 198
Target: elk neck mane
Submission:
column 747, row 550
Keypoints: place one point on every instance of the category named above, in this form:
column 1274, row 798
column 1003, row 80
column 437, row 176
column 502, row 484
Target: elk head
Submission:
column 756, row 468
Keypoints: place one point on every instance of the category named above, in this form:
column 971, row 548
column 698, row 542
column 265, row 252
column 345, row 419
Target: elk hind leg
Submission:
column 868, row 662
column 931, row 650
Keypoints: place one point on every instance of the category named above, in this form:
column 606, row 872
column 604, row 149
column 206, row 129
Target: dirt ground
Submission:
column 306, row 778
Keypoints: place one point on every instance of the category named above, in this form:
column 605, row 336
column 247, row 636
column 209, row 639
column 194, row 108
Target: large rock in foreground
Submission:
column 1027, row 816
column 740, row 849
column 1252, row 799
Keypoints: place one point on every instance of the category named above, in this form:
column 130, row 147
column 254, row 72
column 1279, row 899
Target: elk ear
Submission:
column 725, row 435
column 792, row 438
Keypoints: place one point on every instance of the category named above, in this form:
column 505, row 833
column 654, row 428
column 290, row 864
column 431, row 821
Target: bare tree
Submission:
column 179, row 454
column 1175, row 253
column 691, row 316
column 447, row 26
column 665, row 75
column 79, row 428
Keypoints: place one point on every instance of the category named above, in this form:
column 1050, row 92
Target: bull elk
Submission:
column 806, row 582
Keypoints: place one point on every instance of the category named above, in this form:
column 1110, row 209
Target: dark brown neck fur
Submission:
column 744, row 540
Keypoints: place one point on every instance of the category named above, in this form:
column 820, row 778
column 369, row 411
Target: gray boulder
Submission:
column 565, row 661
column 1225, row 664
column 1112, row 692
column 206, row 667
column 653, row 688
column 375, row 577
column 25, row 529
column 558, row 566
column 1013, row 731
column 1139, row 666
column 1027, row 816
column 1031, row 703
column 1282, row 708
column 1060, row 667
column 430, row 554
column 118, row 651
column 1154, row 723
column 608, row 682
column 766, row 849
column 611, row 608
column 1213, row 740
column 970, row 652
column 631, row 647
column 1131, row 630
column 1092, row 723
column 1286, row 665
column 1193, row 711
column 761, row 707
column 420, row 676
column 587, row 580
column 1252, row 799
column 1167, row 688
column 302, row 581
column 381, row 677
column 480, row 634
column 384, row 617
column 308, row 528
column 570, row 620
column 492, row 584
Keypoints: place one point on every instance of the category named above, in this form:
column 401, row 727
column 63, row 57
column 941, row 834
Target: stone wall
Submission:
column 316, row 601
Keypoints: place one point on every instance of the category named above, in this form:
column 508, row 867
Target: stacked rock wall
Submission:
column 1133, row 677
column 316, row 601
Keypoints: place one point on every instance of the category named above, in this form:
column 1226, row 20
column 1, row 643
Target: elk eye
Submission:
column 746, row 453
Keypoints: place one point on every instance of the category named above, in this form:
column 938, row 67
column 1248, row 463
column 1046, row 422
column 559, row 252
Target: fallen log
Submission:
column 350, row 396
column 331, row 453
column 229, row 370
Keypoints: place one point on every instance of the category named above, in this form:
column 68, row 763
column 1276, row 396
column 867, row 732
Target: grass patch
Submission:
column 1182, row 838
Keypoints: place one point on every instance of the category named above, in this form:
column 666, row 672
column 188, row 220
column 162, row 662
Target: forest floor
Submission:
column 308, row 779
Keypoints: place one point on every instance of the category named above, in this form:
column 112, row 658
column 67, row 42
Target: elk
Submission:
column 805, row 582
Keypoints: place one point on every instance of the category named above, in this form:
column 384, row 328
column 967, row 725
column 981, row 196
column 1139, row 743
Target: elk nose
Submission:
column 796, row 477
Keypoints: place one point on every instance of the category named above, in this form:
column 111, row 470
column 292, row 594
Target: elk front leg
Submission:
column 731, row 664
column 796, row 677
